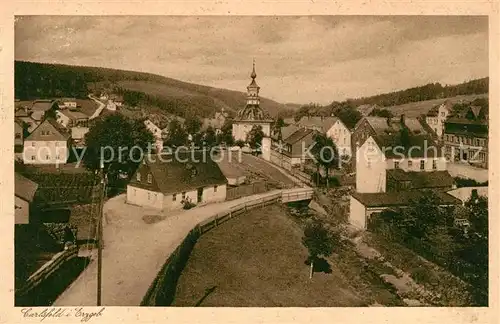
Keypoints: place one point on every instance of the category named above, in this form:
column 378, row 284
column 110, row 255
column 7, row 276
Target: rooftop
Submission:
column 421, row 180
column 297, row 135
column 401, row 198
column 24, row 187
column 418, row 146
column 55, row 132
column 187, row 172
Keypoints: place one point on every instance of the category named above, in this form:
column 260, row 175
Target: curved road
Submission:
column 134, row 251
column 99, row 109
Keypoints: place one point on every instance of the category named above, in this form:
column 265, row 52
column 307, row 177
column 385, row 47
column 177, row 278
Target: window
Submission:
column 422, row 165
column 149, row 196
column 138, row 176
column 150, row 178
column 396, row 164
column 47, row 157
column 33, row 144
column 183, row 195
column 215, row 188
column 18, row 136
column 174, row 197
column 57, row 157
column 410, row 163
column 369, row 164
column 32, row 158
column 442, row 114
column 434, row 164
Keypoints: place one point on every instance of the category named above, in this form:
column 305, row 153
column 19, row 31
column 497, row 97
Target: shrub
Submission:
column 187, row 203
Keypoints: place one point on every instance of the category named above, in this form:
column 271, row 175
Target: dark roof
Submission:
column 56, row 132
column 401, row 198
column 383, row 126
column 24, row 187
column 297, row 135
column 74, row 115
column 465, row 121
column 421, row 180
column 416, row 146
column 185, row 172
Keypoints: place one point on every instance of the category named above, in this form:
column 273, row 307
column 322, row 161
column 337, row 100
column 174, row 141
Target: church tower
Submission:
column 253, row 90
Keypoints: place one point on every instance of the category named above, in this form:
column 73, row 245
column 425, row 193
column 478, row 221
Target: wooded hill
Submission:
column 42, row 80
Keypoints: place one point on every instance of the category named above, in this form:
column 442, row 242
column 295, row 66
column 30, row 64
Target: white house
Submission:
column 24, row 192
column 167, row 182
column 331, row 127
column 111, row 105
column 67, row 103
column 364, row 205
column 341, row 136
column 68, row 118
column 436, row 117
column 381, row 153
column 47, row 144
column 157, row 133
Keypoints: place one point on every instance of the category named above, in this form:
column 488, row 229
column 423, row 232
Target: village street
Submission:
column 135, row 251
column 99, row 109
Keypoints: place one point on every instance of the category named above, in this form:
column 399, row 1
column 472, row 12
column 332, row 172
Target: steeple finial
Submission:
column 253, row 75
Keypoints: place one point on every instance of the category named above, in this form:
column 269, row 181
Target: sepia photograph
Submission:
column 250, row 161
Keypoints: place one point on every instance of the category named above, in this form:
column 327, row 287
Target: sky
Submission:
column 300, row 59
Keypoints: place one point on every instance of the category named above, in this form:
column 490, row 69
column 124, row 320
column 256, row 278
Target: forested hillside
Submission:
column 41, row 80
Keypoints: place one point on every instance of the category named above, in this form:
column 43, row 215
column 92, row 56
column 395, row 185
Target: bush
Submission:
column 465, row 182
column 420, row 274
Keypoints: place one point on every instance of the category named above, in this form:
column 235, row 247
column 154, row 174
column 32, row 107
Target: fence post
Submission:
column 216, row 220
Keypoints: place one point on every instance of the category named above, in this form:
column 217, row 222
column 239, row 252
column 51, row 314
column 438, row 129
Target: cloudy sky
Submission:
column 298, row 59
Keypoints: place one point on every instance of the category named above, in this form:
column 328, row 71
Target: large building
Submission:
column 252, row 115
column 466, row 137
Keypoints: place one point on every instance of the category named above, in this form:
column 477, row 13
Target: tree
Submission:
column 319, row 242
column 255, row 136
column 326, row 154
column 348, row 115
column 176, row 135
column 209, row 136
column 226, row 134
column 381, row 113
column 192, row 125
column 118, row 140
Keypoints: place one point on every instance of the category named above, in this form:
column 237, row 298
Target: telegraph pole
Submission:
column 100, row 235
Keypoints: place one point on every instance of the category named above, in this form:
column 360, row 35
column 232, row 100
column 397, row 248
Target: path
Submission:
column 467, row 171
column 134, row 251
column 99, row 109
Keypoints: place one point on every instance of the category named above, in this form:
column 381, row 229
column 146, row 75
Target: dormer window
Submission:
column 150, row 178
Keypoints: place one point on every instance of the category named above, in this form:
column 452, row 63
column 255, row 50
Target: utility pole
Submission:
column 100, row 234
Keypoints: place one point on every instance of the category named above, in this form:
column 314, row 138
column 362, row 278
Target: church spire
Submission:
column 253, row 75
column 253, row 89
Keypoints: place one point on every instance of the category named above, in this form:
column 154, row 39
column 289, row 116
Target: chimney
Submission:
column 402, row 120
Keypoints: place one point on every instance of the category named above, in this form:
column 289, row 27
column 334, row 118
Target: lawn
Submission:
column 257, row 260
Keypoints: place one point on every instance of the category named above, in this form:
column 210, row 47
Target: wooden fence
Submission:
column 47, row 269
column 247, row 190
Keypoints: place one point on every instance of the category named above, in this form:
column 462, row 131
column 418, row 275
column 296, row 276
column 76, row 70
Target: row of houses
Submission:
column 41, row 140
column 463, row 131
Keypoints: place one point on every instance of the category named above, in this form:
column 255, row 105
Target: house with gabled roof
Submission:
column 167, row 181
column 379, row 153
column 24, row 194
column 332, row 127
column 364, row 205
column 69, row 118
column 380, row 126
column 49, row 143
column 291, row 151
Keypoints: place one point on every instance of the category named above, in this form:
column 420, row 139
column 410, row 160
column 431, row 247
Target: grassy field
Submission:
column 258, row 259
column 415, row 109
